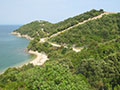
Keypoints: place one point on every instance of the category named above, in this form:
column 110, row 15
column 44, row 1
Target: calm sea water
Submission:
column 12, row 48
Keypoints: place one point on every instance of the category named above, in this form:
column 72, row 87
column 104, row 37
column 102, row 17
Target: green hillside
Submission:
column 95, row 67
column 35, row 28
column 44, row 28
column 94, row 31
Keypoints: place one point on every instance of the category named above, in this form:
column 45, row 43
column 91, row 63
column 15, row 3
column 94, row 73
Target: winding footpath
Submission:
column 94, row 18
column 78, row 49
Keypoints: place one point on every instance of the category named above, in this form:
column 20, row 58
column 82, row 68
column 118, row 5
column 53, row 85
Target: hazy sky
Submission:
column 24, row 11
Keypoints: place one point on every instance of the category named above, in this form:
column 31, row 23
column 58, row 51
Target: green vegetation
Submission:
column 95, row 31
column 44, row 29
column 99, row 63
column 35, row 28
column 96, row 67
column 52, row 76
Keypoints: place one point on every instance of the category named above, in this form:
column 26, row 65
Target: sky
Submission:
column 25, row 11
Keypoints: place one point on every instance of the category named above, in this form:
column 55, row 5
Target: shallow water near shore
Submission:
column 12, row 48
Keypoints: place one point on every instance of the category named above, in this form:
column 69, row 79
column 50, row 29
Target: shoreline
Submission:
column 38, row 58
column 19, row 65
column 19, row 35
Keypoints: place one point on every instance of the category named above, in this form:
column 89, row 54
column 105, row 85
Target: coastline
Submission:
column 24, row 36
column 19, row 65
column 38, row 58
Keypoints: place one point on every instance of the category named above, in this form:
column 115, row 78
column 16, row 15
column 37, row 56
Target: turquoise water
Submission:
column 12, row 48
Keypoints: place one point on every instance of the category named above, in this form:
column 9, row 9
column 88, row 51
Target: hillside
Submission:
column 95, row 67
column 99, row 61
column 99, row 31
column 35, row 28
column 44, row 28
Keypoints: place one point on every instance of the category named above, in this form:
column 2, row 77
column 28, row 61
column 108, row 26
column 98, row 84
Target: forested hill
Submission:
column 44, row 28
column 95, row 67
column 97, row 31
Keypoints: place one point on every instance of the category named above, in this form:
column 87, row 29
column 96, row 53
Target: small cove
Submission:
column 12, row 48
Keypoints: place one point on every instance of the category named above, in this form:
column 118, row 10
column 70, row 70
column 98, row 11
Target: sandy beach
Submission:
column 40, row 59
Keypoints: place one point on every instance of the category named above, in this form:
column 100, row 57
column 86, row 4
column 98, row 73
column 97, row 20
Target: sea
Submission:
column 12, row 48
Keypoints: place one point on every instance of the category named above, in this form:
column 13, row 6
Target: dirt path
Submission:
column 74, row 48
column 97, row 17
